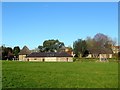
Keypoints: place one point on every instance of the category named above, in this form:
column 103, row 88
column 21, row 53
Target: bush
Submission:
column 115, row 56
column 76, row 59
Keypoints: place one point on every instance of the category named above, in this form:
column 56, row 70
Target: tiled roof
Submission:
column 49, row 54
column 25, row 51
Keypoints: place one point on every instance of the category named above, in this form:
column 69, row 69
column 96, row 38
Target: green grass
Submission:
column 59, row 74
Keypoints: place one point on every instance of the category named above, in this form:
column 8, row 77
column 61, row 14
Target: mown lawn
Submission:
column 59, row 74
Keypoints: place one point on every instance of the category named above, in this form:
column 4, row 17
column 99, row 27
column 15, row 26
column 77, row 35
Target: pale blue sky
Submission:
column 32, row 23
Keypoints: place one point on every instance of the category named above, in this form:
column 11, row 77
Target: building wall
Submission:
column 34, row 59
column 105, row 56
column 100, row 55
column 92, row 56
column 50, row 59
column 110, row 55
column 64, row 59
column 22, row 57
column 89, row 56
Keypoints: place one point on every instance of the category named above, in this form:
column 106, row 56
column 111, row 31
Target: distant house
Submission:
column 23, row 53
column 115, row 49
column 100, row 53
column 66, row 49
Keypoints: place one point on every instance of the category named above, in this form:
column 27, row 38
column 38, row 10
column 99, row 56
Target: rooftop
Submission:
column 25, row 51
column 49, row 54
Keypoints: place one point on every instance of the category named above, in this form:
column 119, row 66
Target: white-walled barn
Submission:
column 49, row 57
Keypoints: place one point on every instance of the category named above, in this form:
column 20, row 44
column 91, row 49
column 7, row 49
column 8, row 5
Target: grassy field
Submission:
column 59, row 74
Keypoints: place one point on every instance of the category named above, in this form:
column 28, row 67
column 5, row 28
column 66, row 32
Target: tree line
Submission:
column 9, row 53
column 97, row 43
column 81, row 47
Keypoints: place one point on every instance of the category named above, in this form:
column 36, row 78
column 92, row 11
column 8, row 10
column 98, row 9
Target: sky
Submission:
column 31, row 23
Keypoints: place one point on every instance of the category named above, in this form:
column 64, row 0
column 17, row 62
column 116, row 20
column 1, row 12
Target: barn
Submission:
column 49, row 57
